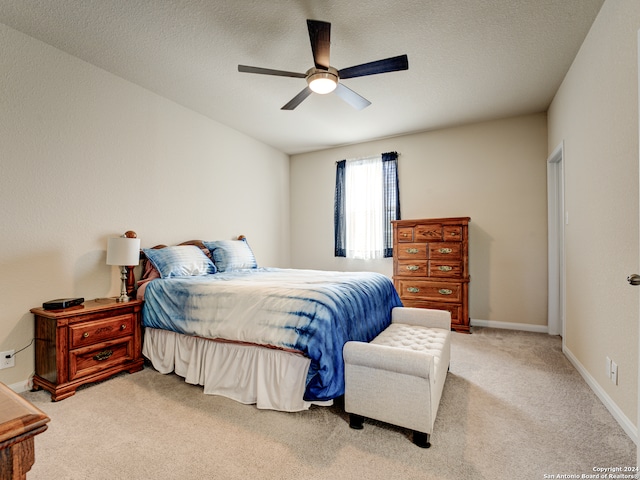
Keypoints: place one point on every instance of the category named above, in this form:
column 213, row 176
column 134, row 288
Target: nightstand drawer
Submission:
column 88, row 360
column 88, row 333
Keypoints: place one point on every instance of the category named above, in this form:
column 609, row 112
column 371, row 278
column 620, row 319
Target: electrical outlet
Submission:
column 7, row 360
column 608, row 368
column 614, row 372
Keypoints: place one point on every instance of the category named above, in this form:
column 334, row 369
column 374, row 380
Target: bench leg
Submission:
column 421, row 439
column 356, row 421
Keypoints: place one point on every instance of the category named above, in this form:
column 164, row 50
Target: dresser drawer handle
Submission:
column 413, row 268
column 123, row 326
column 405, row 234
column 445, row 291
column 454, row 234
column 103, row 355
column 445, row 250
column 412, row 251
column 445, row 268
column 413, row 289
column 85, row 335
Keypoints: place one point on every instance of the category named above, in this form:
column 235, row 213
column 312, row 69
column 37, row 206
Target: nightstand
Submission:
column 85, row 344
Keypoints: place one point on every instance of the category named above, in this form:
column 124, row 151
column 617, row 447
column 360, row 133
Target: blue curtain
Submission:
column 338, row 212
column 391, row 199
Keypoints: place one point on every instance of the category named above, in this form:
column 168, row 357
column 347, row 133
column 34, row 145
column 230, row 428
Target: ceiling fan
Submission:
column 323, row 78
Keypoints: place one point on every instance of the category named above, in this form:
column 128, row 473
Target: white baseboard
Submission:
column 620, row 417
column 527, row 327
column 20, row 387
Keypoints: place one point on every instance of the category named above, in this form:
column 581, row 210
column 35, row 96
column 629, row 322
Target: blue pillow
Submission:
column 180, row 261
column 231, row 255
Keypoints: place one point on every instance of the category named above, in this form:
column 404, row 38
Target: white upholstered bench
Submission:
column 399, row 376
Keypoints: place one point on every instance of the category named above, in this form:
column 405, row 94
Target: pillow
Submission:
column 231, row 255
column 180, row 261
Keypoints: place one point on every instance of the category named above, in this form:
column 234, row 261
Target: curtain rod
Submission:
column 366, row 156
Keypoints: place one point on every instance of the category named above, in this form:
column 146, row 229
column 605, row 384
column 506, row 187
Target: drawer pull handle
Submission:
column 412, row 251
column 445, row 268
column 85, row 335
column 123, row 326
column 103, row 355
column 445, row 291
column 445, row 250
column 413, row 289
column 454, row 234
column 413, row 268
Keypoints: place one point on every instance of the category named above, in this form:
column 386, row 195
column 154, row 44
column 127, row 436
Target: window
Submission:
column 366, row 201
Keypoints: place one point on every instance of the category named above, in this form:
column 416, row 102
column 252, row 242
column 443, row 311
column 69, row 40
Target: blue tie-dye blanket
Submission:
column 314, row 312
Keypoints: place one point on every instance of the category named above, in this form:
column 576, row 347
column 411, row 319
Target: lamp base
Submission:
column 123, row 287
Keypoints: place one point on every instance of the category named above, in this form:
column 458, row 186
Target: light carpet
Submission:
column 513, row 407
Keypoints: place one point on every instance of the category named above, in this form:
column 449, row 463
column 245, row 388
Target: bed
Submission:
column 271, row 337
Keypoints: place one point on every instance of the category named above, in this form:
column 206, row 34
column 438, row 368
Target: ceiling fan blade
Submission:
column 268, row 71
column 320, row 37
column 392, row 64
column 352, row 98
column 297, row 100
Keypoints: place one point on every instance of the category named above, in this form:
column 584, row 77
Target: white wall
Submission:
column 85, row 155
column 595, row 112
column 493, row 172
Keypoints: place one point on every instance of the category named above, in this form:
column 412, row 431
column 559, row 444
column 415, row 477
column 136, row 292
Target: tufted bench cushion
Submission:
column 416, row 338
column 399, row 376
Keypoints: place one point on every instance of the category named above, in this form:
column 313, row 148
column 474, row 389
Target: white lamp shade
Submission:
column 123, row 251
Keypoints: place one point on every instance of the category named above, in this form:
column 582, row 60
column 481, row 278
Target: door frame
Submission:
column 556, row 217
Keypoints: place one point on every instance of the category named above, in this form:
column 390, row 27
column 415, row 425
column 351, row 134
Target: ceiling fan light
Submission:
column 322, row 82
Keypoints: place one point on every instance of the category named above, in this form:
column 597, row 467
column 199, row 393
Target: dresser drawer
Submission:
column 408, row 268
column 425, row 290
column 452, row 233
column 445, row 269
column 97, row 331
column 92, row 359
column 445, row 250
column 405, row 234
column 427, row 233
column 410, row 251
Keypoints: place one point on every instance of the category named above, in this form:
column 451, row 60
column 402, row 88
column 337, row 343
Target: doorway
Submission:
column 556, row 222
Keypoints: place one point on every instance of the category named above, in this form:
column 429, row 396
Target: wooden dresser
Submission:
column 86, row 344
column 431, row 266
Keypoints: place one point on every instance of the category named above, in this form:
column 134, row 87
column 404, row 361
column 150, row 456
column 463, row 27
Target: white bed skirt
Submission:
column 269, row 378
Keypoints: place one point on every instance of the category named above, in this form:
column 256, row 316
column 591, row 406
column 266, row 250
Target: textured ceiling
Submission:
column 469, row 60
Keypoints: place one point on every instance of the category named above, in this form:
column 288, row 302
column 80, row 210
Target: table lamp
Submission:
column 124, row 252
